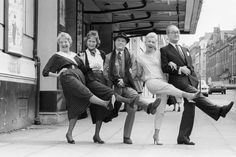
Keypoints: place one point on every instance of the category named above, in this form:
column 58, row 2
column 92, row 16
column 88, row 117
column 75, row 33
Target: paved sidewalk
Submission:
column 212, row 138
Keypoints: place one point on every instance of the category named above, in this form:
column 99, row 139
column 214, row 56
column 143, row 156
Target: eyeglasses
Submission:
column 174, row 32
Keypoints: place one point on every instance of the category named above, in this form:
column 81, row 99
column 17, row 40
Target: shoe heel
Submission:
column 99, row 141
column 156, row 140
column 69, row 141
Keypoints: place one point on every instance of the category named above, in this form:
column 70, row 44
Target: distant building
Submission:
column 221, row 57
column 198, row 53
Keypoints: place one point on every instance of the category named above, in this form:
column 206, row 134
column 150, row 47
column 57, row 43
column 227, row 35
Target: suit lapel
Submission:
column 173, row 49
column 186, row 54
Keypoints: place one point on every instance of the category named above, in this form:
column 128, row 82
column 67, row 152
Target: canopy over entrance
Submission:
column 138, row 17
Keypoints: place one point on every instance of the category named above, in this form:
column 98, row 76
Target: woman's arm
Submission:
column 50, row 67
column 51, row 74
column 166, row 68
column 137, row 71
column 53, row 67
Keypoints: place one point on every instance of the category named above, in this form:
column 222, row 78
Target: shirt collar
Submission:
column 119, row 51
column 173, row 44
column 94, row 53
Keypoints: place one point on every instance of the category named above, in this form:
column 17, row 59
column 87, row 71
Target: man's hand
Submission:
column 185, row 70
column 120, row 83
column 172, row 65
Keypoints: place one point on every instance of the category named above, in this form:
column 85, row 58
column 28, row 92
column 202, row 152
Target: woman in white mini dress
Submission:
column 156, row 80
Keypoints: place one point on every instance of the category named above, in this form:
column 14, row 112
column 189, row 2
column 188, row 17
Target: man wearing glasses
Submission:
column 177, row 62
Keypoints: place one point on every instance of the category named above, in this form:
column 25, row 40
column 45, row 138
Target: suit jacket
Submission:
column 169, row 53
column 110, row 70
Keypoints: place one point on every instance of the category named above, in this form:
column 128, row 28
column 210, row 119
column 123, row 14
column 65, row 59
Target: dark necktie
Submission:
column 119, row 57
column 180, row 52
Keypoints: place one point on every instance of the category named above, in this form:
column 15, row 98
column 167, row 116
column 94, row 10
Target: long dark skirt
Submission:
column 99, row 113
column 77, row 95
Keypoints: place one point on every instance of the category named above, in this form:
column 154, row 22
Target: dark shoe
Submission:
column 114, row 114
column 98, row 140
column 127, row 140
column 173, row 109
column 178, row 109
column 110, row 106
column 225, row 109
column 186, row 142
column 152, row 107
column 139, row 108
column 70, row 141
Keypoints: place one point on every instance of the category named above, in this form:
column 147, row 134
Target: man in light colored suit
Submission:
column 117, row 69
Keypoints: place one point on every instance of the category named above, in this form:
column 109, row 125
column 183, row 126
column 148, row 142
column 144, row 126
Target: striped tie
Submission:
column 178, row 49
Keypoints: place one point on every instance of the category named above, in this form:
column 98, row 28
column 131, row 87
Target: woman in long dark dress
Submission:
column 73, row 76
column 94, row 59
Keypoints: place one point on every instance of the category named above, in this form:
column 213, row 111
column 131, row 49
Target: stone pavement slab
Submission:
column 212, row 138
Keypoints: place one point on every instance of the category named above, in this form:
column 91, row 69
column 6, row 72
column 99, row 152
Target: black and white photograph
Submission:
column 117, row 78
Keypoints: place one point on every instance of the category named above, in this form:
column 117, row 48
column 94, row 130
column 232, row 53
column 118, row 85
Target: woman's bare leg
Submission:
column 72, row 123
column 96, row 137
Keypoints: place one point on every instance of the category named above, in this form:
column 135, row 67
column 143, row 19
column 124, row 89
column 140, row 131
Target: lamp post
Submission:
column 232, row 79
column 200, row 75
column 232, row 61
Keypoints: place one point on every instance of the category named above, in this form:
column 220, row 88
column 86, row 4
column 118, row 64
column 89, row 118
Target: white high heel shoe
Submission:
column 156, row 140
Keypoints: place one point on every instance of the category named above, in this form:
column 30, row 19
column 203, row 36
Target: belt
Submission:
column 72, row 67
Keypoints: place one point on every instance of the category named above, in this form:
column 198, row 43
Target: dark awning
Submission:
column 138, row 17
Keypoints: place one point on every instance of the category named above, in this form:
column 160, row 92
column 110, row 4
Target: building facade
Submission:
column 214, row 57
column 220, row 57
column 18, row 81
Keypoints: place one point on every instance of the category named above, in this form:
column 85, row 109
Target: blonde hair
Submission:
column 64, row 35
column 93, row 33
column 151, row 35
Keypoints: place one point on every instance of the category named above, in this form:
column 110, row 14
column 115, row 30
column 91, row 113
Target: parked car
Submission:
column 217, row 89
column 204, row 87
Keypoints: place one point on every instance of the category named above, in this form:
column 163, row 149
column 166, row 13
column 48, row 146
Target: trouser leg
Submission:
column 129, row 121
column 129, row 93
column 187, row 121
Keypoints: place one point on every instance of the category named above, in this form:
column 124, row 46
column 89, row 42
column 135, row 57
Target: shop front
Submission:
column 17, row 70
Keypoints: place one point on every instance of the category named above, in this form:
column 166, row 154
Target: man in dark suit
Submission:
column 117, row 69
column 177, row 62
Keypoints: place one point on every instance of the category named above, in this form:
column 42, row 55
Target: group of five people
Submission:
column 103, row 81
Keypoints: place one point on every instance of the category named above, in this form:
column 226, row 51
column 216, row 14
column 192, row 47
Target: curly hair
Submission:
column 93, row 33
column 64, row 35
